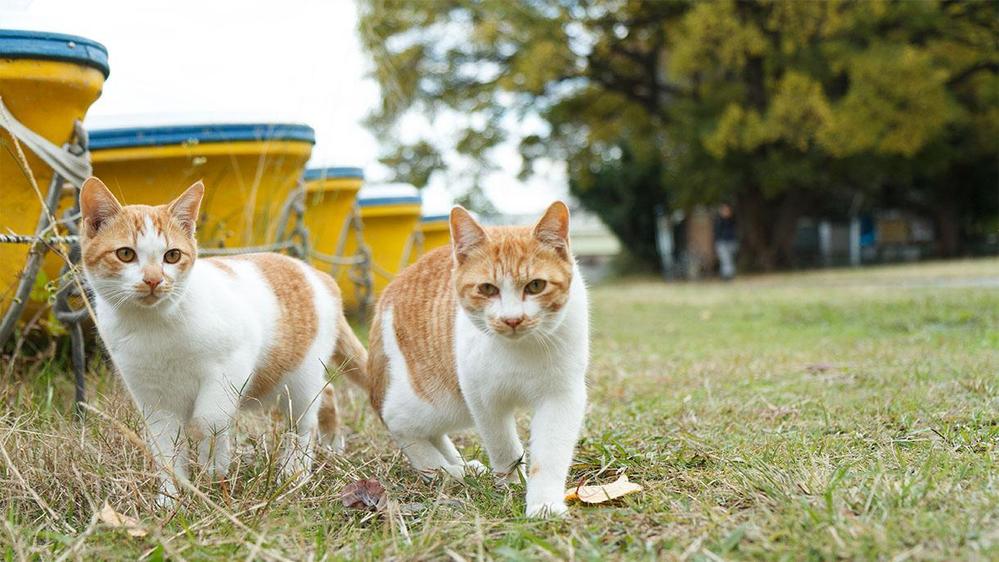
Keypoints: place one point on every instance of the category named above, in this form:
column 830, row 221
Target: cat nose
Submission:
column 514, row 322
column 153, row 283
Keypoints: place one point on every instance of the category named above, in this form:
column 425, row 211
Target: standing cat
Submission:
column 197, row 339
column 468, row 335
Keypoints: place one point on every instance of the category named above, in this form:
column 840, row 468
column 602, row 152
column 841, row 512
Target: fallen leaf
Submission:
column 112, row 518
column 364, row 494
column 604, row 492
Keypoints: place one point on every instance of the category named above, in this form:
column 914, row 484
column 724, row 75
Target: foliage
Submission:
column 777, row 105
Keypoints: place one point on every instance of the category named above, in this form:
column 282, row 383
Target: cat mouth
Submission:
column 513, row 333
column 151, row 298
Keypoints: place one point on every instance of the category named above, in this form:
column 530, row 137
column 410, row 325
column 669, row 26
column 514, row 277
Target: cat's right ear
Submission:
column 466, row 234
column 97, row 205
column 185, row 208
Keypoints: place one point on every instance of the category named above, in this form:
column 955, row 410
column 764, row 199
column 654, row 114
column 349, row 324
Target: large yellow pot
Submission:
column 330, row 194
column 389, row 215
column 48, row 82
column 248, row 169
column 433, row 232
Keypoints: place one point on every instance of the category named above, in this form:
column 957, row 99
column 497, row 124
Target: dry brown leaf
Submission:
column 112, row 518
column 604, row 492
column 364, row 494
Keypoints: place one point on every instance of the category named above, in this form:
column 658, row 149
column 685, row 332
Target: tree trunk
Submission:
column 767, row 227
column 948, row 231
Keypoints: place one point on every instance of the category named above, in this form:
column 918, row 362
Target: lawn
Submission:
column 843, row 414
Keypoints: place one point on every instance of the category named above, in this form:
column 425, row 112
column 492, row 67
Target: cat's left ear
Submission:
column 97, row 205
column 185, row 208
column 466, row 234
column 553, row 228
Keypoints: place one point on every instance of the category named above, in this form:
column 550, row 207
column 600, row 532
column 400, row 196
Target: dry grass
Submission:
column 847, row 414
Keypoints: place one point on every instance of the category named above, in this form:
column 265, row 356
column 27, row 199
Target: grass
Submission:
column 843, row 414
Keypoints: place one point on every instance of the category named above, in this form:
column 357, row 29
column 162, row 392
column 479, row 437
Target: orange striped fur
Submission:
column 296, row 326
column 424, row 298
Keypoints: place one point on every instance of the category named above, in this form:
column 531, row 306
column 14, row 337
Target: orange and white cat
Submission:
column 197, row 339
column 470, row 334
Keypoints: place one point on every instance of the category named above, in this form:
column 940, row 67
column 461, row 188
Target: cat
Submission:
column 469, row 334
column 195, row 340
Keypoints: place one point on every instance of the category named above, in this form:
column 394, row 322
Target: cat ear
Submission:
column 553, row 228
column 466, row 234
column 97, row 205
column 185, row 208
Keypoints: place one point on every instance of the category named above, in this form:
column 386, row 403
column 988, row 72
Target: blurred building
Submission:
column 885, row 236
column 685, row 240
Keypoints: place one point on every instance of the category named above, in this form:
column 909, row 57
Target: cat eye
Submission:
column 172, row 256
column 125, row 254
column 488, row 290
column 535, row 287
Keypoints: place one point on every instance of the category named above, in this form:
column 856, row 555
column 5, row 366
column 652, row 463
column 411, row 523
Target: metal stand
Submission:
column 297, row 235
column 70, row 289
column 360, row 263
column 414, row 248
column 71, row 285
column 36, row 255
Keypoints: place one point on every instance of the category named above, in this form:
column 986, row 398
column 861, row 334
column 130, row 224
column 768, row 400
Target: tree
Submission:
column 776, row 106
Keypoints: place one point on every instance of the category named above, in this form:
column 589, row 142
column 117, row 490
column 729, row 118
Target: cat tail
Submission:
column 350, row 356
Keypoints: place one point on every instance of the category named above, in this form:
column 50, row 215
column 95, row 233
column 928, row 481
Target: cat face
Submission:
column 138, row 255
column 513, row 281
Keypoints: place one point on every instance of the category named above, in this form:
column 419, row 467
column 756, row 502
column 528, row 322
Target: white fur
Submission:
column 542, row 371
column 189, row 357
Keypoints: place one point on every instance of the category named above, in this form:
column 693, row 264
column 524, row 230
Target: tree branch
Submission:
column 971, row 70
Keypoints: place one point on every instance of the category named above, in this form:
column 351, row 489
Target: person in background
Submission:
column 726, row 244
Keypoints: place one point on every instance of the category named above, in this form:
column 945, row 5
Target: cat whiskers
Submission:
column 171, row 296
column 117, row 298
column 551, row 344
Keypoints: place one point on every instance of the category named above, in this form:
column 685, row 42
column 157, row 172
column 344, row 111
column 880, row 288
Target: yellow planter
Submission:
column 248, row 170
column 48, row 81
column 434, row 232
column 389, row 215
column 330, row 194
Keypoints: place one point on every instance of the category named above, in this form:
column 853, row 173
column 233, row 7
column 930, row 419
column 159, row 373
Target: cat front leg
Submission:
column 554, row 432
column 170, row 454
column 498, row 430
column 209, row 427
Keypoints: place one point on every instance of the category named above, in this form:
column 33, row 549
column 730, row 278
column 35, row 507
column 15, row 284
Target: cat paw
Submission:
column 476, row 467
column 549, row 510
column 508, row 478
column 167, row 495
column 456, row 471
column 296, row 472
column 165, row 501
column 217, row 471
column 337, row 445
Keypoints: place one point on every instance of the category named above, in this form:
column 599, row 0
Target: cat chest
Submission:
column 163, row 357
column 518, row 375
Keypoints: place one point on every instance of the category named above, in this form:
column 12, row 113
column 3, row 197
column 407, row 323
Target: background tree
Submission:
column 780, row 107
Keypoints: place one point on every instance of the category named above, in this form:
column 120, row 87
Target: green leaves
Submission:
column 897, row 103
column 713, row 100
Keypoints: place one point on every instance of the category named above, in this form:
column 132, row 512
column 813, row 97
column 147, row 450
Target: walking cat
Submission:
column 195, row 339
column 469, row 334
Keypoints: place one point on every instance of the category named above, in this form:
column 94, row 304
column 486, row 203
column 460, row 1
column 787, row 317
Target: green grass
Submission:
column 844, row 414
